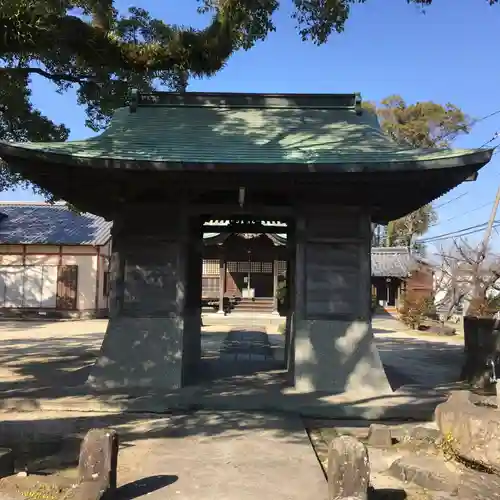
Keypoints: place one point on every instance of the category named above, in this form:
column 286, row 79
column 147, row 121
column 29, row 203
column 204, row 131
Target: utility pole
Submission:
column 489, row 227
column 484, row 248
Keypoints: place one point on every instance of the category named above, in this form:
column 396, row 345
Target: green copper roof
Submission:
column 173, row 129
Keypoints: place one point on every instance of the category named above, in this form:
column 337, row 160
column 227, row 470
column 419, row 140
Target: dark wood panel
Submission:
column 326, row 255
column 342, row 226
column 332, row 281
column 152, row 278
column 150, row 289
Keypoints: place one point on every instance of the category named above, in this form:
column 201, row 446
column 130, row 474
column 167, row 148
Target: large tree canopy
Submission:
column 88, row 43
column 102, row 53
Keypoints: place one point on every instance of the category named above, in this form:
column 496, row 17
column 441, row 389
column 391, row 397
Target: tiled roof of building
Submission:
column 45, row 224
column 173, row 130
column 393, row 262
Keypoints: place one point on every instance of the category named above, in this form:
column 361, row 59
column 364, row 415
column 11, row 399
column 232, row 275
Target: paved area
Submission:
column 424, row 359
column 239, row 352
column 232, row 455
column 216, row 457
column 37, row 357
column 212, row 455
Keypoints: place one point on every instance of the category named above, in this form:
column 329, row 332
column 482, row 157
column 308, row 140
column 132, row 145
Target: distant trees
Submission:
column 420, row 125
column 467, row 275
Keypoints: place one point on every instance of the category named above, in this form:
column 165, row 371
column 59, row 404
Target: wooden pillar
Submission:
column 275, row 287
column 222, row 281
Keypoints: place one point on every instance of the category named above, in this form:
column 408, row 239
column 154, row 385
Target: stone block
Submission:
column 472, row 431
column 427, row 434
column 427, row 472
column 98, row 462
column 90, row 490
column 477, row 486
column 379, row 436
column 140, row 352
column 348, row 469
column 6, row 462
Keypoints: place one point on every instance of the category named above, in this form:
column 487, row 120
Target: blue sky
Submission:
column 448, row 54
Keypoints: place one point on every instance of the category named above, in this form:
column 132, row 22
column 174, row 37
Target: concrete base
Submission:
column 140, row 352
column 411, row 404
column 337, row 357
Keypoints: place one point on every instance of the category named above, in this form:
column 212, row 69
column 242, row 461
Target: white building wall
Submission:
column 28, row 275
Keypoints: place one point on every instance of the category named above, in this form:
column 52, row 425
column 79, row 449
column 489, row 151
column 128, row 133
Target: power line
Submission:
column 459, row 235
column 473, row 123
column 450, row 201
column 495, row 136
column 458, row 232
column 462, row 214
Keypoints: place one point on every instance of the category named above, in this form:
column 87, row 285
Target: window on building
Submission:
column 211, row 267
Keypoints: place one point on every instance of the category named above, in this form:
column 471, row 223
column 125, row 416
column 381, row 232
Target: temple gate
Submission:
column 169, row 163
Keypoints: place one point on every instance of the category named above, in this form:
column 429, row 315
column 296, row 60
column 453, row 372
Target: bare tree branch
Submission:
column 56, row 77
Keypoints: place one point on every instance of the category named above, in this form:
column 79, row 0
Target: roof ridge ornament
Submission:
column 358, row 103
column 135, row 97
column 244, row 100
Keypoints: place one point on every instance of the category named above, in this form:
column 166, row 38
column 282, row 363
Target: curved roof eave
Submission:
column 349, row 163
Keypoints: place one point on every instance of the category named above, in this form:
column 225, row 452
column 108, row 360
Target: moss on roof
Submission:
column 257, row 130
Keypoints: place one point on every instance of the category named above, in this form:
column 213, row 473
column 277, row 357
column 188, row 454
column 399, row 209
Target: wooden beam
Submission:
column 245, row 228
column 229, row 211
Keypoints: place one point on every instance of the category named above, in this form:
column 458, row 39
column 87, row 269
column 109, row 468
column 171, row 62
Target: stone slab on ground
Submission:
column 237, row 456
column 209, row 455
column 427, row 472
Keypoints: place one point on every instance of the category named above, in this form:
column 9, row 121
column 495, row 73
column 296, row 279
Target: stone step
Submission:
column 261, row 305
column 244, row 319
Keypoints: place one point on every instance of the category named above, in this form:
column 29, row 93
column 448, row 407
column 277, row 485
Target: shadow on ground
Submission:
column 52, row 370
column 144, row 486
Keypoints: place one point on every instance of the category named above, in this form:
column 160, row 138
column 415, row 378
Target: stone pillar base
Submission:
column 140, row 352
column 336, row 357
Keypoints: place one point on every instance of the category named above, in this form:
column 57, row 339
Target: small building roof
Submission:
column 47, row 224
column 394, row 262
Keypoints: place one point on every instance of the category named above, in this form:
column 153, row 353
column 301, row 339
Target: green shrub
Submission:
column 430, row 308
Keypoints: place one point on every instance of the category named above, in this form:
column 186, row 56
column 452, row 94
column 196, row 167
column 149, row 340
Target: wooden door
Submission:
column 67, row 287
